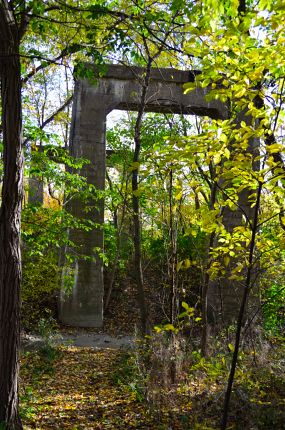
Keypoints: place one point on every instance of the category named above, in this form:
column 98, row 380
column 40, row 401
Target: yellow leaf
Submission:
column 226, row 260
column 190, row 86
column 217, row 158
column 275, row 147
column 179, row 265
column 227, row 153
column 178, row 195
column 240, row 93
column 169, row 327
column 231, row 347
column 187, row 263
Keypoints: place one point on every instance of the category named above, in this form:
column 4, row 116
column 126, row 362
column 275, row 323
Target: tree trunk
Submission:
column 246, row 293
column 10, row 217
column 137, row 230
column 136, row 205
column 173, row 254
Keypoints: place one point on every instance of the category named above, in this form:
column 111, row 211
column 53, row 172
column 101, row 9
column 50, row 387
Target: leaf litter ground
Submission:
column 77, row 391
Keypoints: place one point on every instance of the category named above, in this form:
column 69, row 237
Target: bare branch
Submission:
column 51, row 117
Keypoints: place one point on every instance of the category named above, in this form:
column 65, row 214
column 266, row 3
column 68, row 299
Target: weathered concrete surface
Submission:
column 120, row 88
column 83, row 306
column 36, row 192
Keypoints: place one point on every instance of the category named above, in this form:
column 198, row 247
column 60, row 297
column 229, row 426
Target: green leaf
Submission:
column 169, row 327
column 185, row 305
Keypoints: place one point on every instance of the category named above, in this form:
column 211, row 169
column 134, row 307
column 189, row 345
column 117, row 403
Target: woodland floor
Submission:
column 106, row 387
column 79, row 391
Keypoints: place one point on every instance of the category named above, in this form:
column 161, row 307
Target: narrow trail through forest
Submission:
column 80, row 338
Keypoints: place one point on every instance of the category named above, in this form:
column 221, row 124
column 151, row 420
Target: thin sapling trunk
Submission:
column 247, row 288
column 136, row 205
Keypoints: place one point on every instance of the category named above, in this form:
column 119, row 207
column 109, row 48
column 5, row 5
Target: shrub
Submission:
column 39, row 289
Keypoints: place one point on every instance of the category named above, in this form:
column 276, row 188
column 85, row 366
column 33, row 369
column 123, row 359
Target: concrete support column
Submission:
column 36, row 185
column 36, row 192
column 225, row 295
column 81, row 301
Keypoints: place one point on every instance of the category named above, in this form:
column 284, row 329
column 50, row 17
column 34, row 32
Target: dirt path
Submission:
column 79, row 339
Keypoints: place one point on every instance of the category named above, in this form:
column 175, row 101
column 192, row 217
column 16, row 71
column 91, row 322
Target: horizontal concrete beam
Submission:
column 120, row 88
column 134, row 73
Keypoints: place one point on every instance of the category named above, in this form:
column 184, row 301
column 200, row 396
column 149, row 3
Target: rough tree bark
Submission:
column 10, row 217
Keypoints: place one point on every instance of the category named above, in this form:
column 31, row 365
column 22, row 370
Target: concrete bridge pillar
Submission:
column 81, row 302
